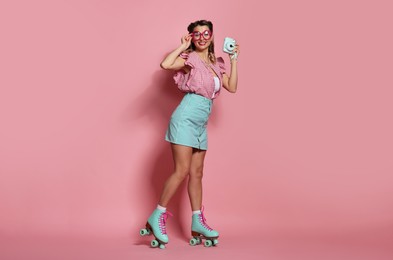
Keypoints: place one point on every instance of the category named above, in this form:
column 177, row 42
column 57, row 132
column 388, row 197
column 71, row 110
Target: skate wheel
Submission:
column 144, row 232
column 193, row 241
column 154, row 243
column 162, row 246
column 208, row 243
column 199, row 241
column 215, row 242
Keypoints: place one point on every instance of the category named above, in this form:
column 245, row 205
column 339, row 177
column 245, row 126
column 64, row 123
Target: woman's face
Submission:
column 202, row 37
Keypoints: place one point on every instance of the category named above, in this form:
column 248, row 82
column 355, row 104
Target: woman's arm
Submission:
column 230, row 83
column 172, row 61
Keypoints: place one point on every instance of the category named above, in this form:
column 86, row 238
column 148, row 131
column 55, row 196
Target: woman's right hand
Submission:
column 186, row 41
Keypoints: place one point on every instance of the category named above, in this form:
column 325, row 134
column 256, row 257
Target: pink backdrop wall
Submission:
column 305, row 145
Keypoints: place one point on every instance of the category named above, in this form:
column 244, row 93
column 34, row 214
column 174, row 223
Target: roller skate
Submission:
column 156, row 226
column 200, row 230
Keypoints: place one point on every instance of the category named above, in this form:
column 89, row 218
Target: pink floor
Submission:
column 244, row 245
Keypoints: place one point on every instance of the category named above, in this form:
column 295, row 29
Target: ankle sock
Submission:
column 196, row 212
column 161, row 208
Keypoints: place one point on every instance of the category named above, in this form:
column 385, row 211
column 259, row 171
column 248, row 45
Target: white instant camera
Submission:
column 229, row 46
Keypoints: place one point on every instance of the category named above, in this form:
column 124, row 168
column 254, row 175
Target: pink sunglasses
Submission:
column 207, row 34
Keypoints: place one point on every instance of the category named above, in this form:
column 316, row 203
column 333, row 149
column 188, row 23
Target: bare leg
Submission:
column 195, row 180
column 182, row 158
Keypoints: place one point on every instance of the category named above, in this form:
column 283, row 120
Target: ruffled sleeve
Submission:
column 221, row 65
column 191, row 60
column 182, row 79
column 184, row 55
column 179, row 76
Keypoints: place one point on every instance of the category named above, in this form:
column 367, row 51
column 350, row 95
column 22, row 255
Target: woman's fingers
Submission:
column 185, row 38
column 237, row 48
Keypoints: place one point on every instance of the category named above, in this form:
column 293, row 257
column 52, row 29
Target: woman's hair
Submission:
column 191, row 28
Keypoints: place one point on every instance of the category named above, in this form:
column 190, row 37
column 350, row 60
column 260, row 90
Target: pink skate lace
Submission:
column 202, row 219
column 163, row 217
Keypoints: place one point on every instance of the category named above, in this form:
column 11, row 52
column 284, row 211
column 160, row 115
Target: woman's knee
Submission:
column 196, row 173
column 181, row 172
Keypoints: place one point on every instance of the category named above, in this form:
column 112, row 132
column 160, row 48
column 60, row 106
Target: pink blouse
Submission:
column 200, row 79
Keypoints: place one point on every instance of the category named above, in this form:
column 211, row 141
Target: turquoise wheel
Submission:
column 208, row 243
column 144, row 232
column 193, row 241
column 199, row 240
column 215, row 242
column 154, row 243
column 162, row 246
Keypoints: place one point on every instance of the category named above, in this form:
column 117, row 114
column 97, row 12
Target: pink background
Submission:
column 300, row 159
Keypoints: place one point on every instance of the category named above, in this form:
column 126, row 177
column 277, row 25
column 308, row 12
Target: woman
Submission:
column 200, row 75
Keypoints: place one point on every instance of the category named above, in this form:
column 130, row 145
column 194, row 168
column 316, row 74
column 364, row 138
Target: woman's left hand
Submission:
column 236, row 52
